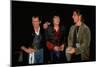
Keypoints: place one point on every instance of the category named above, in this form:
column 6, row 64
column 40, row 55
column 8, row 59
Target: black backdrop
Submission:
column 21, row 16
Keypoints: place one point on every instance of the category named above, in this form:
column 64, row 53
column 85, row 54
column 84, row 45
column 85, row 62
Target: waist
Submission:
column 37, row 47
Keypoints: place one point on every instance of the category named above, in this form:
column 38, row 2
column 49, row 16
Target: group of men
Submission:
column 53, row 39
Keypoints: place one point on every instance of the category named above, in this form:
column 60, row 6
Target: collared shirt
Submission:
column 37, row 33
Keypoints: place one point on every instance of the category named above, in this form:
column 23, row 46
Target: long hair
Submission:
column 53, row 21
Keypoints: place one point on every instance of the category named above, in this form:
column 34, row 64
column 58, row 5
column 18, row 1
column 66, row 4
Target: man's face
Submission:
column 75, row 17
column 35, row 22
column 56, row 20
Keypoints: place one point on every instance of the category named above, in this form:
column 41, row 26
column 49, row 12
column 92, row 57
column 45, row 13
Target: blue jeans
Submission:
column 39, row 56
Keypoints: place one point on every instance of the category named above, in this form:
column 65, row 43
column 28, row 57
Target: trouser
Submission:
column 57, row 57
column 76, row 58
column 39, row 56
column 73, row 58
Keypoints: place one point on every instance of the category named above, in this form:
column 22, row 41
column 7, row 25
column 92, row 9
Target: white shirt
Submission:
column 37, row 33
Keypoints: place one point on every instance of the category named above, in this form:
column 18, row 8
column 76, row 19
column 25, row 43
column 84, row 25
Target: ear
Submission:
column 80, row 17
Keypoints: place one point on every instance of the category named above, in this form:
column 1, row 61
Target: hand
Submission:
column 25, row 49
column 62, row 47
column 56, row 48
column 28, row 50
column 31, row 49
column 71, row 50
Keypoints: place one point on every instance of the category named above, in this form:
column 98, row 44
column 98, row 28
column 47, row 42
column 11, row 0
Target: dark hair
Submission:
column 54, row 17
column 79, row 14
column 35, row 17
column 78, row 11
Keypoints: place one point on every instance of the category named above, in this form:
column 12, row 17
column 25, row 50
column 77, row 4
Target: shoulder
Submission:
column 86, row 28
column 72, row 27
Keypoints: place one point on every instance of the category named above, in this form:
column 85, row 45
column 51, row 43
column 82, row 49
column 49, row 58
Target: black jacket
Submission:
column 51, row 37
column 41, row 39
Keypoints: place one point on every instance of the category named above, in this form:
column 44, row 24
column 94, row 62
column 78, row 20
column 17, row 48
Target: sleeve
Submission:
column 70, row 43
column 84, row 47
column 48, row 34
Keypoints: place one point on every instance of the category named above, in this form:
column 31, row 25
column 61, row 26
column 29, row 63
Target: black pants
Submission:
column 57, row 57
column 76, row 58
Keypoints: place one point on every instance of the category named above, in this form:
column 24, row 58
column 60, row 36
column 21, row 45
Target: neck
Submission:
column 56, row 25
column 78, row 23
column 36, row 28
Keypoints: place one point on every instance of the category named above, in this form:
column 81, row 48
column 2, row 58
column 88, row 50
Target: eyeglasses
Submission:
column 35, row 21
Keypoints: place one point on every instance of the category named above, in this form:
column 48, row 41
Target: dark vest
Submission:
column 37, row 41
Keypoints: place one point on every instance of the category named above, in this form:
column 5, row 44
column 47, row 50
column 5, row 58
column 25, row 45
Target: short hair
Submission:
column 56, row 16
column 35, row 17
column 79, row 13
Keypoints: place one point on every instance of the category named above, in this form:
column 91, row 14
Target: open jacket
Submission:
column 83, row 38
column 41, row 39
column 51, row 37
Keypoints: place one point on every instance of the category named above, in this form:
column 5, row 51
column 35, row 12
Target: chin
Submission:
column 74, row 22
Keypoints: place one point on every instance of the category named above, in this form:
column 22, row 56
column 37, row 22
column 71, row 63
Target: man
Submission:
column 78, row 39
column 55, row 41
column 35, row 51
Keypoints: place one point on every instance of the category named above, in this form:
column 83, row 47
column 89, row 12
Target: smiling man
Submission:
column 78, row 39
column 36, row 50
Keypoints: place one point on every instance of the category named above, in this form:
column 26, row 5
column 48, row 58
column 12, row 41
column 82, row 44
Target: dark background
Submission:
column 21, row 25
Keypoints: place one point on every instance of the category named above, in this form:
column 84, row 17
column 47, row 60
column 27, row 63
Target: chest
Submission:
column 79, row 34
column 37, row 38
